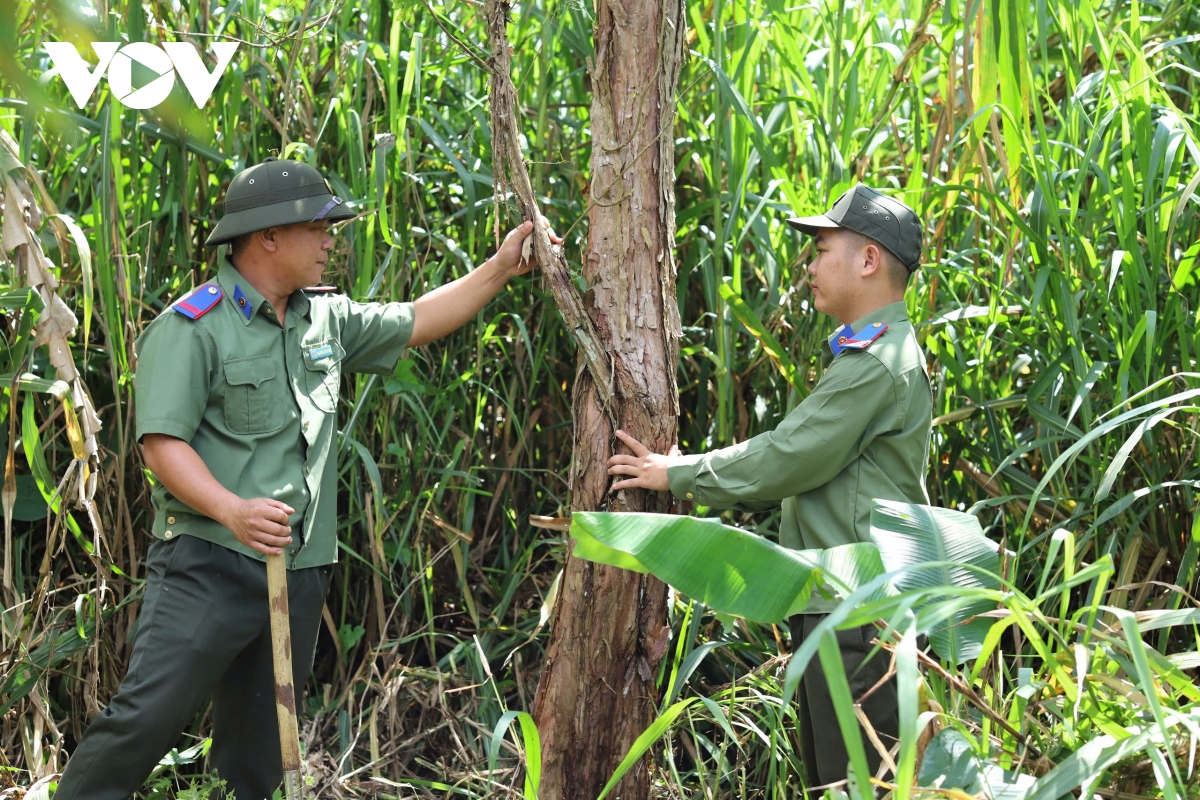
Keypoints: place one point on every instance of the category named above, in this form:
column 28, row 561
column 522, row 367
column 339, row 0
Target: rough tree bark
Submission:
column 597, row 691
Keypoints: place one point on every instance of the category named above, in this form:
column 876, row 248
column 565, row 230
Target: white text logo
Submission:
column 164, row 60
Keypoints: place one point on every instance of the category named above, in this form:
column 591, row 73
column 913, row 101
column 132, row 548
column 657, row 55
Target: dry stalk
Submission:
column 511, row 163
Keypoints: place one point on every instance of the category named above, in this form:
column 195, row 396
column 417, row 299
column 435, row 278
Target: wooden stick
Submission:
column 285, row 692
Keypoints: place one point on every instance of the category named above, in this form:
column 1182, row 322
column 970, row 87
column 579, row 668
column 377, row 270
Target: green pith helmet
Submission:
column 275, row 193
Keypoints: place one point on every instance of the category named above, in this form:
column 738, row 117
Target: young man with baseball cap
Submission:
column 237, row 389
column 863, row 433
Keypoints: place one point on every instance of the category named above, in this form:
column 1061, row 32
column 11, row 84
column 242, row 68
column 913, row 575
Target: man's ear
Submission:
column 269, row 239
column 873, row 260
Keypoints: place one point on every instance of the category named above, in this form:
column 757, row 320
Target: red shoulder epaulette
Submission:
column 199, row 302
column 321, row 289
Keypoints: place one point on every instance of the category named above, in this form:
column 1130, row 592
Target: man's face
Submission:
column 303, row 249
column 836, row 273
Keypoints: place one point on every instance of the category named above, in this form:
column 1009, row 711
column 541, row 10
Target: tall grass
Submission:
column 1049, row 147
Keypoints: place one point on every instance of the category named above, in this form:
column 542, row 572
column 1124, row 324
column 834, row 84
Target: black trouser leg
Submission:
column 245, row 751
column 204, row 605
column 171, row 671
column 825, row 757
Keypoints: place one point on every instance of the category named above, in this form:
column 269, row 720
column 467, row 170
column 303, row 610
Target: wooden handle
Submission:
column 285, row 692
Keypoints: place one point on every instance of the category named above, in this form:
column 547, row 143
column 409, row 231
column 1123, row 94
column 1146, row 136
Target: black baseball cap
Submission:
column 885, row 219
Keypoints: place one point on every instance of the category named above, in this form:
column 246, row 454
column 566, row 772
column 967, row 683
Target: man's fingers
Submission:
column 633, row 444
column 280, row 505
column 267, row 544
column 272, row 540
column 554, row 237
column 521, row 231
column 268, row 527
column 624, row 469
column 620, row 458
column 628, row 483
column 273, row 515
column 675, row 451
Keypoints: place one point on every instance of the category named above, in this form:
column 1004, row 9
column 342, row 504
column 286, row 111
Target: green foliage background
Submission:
column 1050, row 147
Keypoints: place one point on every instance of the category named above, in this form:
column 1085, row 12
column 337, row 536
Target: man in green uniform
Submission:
column 237, row 389
column 862, row 433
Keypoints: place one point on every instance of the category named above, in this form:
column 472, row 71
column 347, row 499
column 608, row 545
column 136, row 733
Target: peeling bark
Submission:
column 597, row 691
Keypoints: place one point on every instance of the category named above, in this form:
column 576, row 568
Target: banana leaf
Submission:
column 951, row 762
column 953, row 552
column 737, row 572
column 730, row 570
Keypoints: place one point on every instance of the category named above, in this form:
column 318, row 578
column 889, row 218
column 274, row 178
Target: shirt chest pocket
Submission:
column 322, row 372
column 252, row 395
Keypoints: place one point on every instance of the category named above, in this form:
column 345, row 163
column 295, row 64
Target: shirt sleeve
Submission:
column 374, row 335
column 854, row 402
column 174, row 373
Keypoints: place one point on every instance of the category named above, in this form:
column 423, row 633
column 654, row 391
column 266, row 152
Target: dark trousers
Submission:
column 821, row 743
column 203, row 630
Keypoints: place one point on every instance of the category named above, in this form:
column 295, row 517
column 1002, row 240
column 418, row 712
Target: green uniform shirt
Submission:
column 862, row 434
column 258, row 401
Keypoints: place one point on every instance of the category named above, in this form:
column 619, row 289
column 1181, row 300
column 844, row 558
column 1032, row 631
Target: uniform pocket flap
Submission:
column 321, row 356
column 249, row 371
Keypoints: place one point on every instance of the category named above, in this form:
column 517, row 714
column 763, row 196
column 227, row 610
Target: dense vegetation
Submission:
column 1051, row 149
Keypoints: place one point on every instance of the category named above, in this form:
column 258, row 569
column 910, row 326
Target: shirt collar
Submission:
column 299, row 303
column 244, row 297
column 892, row 312
column 247, row 299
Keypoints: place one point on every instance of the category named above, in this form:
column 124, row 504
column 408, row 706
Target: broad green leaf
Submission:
column 30, row 505
column 724, row 567
column 730, row 570
column 719, row 565
column 952, row 763
column 957, row 553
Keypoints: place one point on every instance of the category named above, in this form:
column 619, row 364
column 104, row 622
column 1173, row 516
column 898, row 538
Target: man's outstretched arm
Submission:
column 449, row 307
column 845, row 411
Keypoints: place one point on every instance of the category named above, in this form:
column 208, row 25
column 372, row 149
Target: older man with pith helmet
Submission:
column 236, row 398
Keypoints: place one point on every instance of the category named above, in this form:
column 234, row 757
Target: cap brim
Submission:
column 275, row 215
column 811, row 225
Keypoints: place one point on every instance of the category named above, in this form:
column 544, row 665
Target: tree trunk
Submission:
column 597, row 690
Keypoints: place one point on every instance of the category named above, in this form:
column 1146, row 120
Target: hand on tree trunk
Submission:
column 647, row 470
column 515, row 255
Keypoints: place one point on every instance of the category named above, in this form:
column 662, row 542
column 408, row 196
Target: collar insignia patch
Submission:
column 243, row 302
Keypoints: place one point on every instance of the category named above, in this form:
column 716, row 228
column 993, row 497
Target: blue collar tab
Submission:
column 243, row 302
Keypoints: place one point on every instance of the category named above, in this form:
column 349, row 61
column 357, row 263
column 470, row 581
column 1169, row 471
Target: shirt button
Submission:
column 170, row 520
column 304, row 427
column 690, row 495
column 168, row 535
